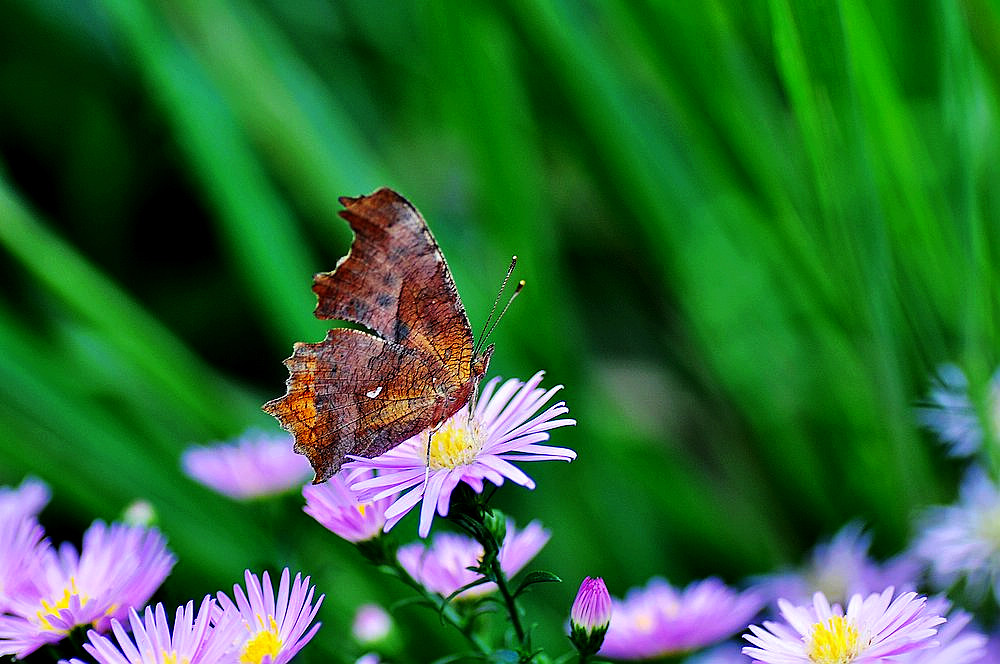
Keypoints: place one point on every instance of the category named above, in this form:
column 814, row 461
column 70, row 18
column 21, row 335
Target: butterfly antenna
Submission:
column 487, row 330
column 517, row 290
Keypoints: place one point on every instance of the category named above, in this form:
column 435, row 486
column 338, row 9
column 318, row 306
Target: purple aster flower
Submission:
column 22, row 547
column 992, row 654
column 590, row 615
column 840, row 568
column 192, row 641
column 276, row 628
column 443, row 566
column 504, row 427
column 958, row 642
column 963, row 540
column 256, row 465
column 951, row 414
column 118, row 567
column 340, row 510
column 873, row 629
column 659, row 620
column 26, row 500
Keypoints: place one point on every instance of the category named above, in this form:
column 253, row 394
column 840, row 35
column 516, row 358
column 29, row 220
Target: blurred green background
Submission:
column 749, row 232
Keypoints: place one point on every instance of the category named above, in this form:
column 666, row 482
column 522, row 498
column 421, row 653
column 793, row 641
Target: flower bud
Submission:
column 139, row 513
column 496, row 524
column 590, row 616
column 371, row 624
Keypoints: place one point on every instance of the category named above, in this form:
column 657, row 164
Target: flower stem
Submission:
column 381, row 552
column 488, row 527
column 515, row 618
column 443, row 606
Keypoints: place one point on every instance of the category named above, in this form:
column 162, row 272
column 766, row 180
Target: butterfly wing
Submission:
column 396, row 283
column 353, row 393
column 393, row 253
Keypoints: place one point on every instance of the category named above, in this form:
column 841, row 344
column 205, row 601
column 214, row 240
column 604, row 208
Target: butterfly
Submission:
column 362, row 392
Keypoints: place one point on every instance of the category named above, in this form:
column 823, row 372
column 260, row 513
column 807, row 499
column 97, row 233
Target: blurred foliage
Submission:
column 749, row 231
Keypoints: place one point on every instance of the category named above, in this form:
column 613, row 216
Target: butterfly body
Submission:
column 362, row 392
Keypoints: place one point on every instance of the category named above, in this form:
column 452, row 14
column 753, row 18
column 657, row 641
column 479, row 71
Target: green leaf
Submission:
column 536, row 576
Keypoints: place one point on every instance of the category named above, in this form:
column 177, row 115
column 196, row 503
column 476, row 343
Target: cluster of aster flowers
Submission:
column 48, row 593
column 479, row 445
column 259, row 627
column 508, row 423
column 839, row 607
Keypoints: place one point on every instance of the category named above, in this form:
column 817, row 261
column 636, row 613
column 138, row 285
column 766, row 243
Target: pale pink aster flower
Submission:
column 505, row 426
column 255, row 465
column 22, row 547
column 443, row 566
column 371, row 624
column 839, row 568
column 962, row 541
column 26, row 500
column 118, row 567
column 339, row 510
column 872, row 629
column 192, row 640
column 659, row 620
column 275, row 627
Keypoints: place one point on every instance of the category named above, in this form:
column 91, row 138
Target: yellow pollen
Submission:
column 51, row 609
column 362, row 507
column 262, row 644
column 455, row 444
column 833, row 642
column 171, row 658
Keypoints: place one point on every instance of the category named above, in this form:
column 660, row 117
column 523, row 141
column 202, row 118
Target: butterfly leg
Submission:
column 427, row 464
column 427, row 459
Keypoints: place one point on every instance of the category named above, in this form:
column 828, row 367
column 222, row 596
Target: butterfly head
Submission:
column 480, row 363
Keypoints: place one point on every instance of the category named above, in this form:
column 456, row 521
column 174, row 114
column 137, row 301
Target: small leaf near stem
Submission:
column 537, row 576
column 381, row 552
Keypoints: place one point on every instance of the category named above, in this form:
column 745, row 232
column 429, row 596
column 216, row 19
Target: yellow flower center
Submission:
column 51, row 609
column 263, row 643
column 645, row 622
column 171, row 658
column 455, row 444
column 833, row 642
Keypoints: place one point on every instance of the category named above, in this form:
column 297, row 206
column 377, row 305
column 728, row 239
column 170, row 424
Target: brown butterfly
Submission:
column 363, row 393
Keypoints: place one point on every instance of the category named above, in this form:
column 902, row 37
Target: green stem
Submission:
column 444, row 608
column 515, row 619
column 470, row 513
